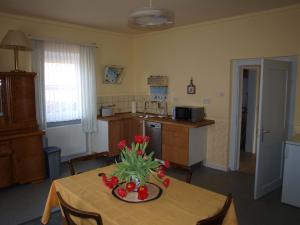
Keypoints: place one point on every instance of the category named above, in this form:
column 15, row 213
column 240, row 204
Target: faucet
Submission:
column 146, row 106
column 164, row 106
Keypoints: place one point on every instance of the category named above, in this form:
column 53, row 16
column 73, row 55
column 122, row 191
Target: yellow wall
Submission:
column 113, row 48
column 204, row 51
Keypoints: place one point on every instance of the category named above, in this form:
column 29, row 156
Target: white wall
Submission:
column 70, row 139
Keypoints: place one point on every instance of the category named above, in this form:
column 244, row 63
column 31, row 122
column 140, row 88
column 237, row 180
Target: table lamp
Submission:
column 16, row 40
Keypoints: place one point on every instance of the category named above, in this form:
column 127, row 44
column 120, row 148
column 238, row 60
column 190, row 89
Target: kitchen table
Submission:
column 181, row 203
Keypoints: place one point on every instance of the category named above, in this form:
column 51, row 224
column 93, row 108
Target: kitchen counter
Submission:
column 295, row 140
column 156, row 118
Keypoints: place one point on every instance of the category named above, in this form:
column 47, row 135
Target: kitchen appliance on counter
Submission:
column 188, row 113
column 106, row 110
column 153, row 130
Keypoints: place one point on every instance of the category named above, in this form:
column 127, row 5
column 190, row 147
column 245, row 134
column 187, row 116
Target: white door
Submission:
column 272, row 126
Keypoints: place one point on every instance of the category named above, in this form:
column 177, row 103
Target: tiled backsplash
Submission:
column 122, row 103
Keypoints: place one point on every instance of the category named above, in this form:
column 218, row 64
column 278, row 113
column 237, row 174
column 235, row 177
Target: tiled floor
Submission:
column 26, row 202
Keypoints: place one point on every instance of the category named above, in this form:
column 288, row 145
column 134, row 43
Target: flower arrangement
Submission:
column 135, row 168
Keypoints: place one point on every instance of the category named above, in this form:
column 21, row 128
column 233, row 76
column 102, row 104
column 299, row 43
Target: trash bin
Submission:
column 52, row 161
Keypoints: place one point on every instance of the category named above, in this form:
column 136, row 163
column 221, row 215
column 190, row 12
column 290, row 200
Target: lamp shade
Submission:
column 151, row 19
column 15, row 39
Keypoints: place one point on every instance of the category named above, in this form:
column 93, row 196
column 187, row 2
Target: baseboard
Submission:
column 215, row 166
column 268, row 188
column 66, row 158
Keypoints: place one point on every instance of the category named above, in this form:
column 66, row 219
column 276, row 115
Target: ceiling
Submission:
column 112, row 14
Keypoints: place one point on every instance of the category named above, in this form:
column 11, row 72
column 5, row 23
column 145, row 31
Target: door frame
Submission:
column 236, row 93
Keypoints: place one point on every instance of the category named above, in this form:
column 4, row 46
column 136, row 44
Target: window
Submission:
column 62, row 82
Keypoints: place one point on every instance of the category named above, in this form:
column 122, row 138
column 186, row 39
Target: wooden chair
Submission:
column 219, row 217
column 71, row 162
column 187, row 169
column 71, row 211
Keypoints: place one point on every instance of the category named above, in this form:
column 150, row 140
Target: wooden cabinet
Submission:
column 115, row 134
column 132, row 127
column 21, row 150
column 17, row 100
column 112, row 131
column 175, row 143
column 29, row 161
column 183, row 145
column 6, row 164
column 124, row 129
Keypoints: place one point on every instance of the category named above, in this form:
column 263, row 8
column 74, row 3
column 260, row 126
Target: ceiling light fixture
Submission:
column 149, row 18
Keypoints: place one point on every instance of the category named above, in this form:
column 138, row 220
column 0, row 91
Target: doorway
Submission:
column 249, row 107
column 275, row 104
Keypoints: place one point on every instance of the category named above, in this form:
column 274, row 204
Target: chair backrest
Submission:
column 71, row 162
column 71, row 211
column 219, row 217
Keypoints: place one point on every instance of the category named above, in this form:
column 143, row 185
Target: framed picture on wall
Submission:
column 113, row 74
column 191, row 88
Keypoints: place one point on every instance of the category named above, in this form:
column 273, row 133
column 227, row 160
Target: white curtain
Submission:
column 62, row 82
column 38, row 67
column 88, row 93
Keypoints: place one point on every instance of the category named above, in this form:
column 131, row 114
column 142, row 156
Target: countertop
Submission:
column 157, row 118
column 295, row 140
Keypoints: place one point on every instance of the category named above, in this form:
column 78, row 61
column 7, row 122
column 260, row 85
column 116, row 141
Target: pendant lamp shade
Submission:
column 150, row 18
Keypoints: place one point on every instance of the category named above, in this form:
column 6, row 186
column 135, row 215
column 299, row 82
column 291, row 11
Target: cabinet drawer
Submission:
column 27, row 146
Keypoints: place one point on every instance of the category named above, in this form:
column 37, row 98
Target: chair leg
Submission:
column 189, row 176
column 188, row 169
column 63, row 220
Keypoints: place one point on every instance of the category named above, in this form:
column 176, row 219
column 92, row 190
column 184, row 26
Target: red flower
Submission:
column 162, row 167
column 104, row 178
column 146, row 138
column 138, row 139
column 161, row 174
column 122, row 144
column 109, row 184
column 142, row 195
column 142, row 188
column 114, row 180
column 166, row 182
column 167, row 164
column 129, row 148
column 139, row 152
column 130, row 186
column 122, row 192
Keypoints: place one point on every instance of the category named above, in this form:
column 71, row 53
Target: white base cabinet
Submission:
column 291, row 173
column 101, row 140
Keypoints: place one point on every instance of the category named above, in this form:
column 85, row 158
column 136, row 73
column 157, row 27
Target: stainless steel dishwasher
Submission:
column 153, row 130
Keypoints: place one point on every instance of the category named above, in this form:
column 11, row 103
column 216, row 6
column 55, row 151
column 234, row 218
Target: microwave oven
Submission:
column 188, row 113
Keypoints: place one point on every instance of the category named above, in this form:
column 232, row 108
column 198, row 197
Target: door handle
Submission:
column 263, row 134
